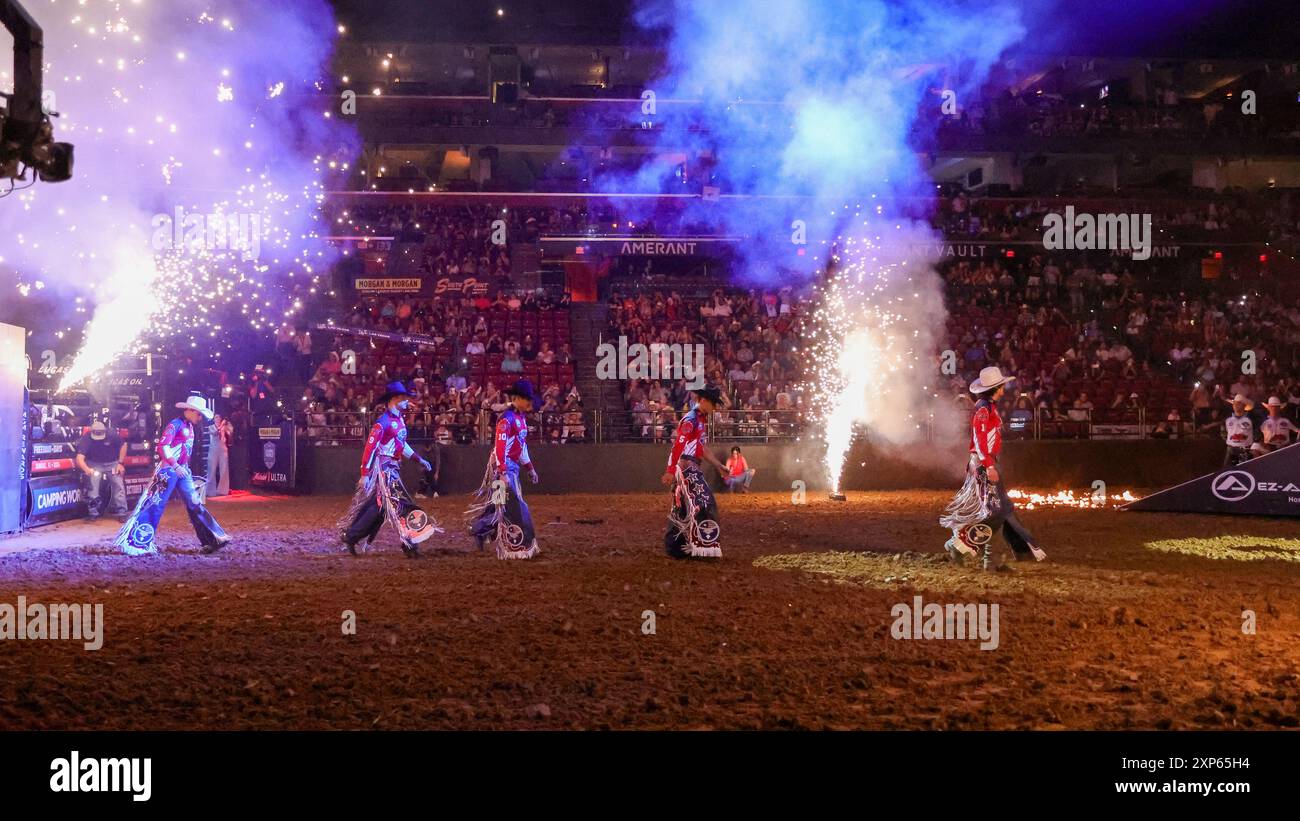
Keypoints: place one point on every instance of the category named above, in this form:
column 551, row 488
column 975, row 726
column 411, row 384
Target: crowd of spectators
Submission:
column 1166, row 116
column 1092, row 342
column 453, row 241
column 1033, row 112
column 459, row 354
column 749, row 341
column 456, row 240
column 1272, row 217
column 1095, row 338
column 462, row 234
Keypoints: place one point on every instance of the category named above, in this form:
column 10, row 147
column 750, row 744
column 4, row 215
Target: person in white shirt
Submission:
column 1239, row 432
column 1276, row 430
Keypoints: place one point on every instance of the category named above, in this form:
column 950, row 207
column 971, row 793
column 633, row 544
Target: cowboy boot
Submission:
column 989, row 561
column 959, row 549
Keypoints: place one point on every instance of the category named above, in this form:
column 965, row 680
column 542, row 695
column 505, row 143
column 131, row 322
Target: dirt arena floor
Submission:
column 791, row 629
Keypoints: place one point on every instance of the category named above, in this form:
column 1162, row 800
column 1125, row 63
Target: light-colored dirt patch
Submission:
column 933, row 571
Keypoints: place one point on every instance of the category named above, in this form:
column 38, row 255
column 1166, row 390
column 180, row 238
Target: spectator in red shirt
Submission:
column 739, row 473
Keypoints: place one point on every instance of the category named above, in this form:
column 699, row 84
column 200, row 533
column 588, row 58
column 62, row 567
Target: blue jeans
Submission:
column 160, row 490
column 117, row 490
column 741, row 482
column 515, row 510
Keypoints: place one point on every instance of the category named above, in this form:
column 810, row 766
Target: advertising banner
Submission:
column 388, row 285
column 54, row 498
column 1267, row 485
column 273, row 456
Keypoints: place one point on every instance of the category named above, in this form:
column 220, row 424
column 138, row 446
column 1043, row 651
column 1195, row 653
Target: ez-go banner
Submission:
column 1267, row 485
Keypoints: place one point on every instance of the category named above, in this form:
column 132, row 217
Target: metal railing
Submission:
column 755, row 426
column 750, row 425
column 335, row 428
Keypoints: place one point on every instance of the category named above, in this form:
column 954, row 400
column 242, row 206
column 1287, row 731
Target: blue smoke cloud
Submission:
column 815, row 113
column 813, row 105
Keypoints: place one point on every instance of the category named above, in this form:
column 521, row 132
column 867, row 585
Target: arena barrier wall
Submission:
column 624, row 468
column 13, row 430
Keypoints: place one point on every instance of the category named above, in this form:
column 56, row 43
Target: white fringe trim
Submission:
column 504, row 552
column 122, row 539
column 686, row 526
column 405, row 534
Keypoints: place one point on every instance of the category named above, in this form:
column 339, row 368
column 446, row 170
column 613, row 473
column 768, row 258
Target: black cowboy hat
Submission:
column 390, row 390
column 714, row 395
column 522, row 388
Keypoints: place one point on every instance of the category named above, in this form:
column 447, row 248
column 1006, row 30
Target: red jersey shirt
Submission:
column 986, row 433
column 692, row 434
column 176, row 443
column 512, row 439
column 387, row 439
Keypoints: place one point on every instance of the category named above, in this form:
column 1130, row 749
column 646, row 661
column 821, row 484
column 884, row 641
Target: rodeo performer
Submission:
column 136, row 537
column 1277, row 431
column 693, row 529
column 1238, row 432
column 503, row 515
column 982, row 507
column 380, row 492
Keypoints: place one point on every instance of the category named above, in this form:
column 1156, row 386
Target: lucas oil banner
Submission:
column 1267, row 485
column 273, row 455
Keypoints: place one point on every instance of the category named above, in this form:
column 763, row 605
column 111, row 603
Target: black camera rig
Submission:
column 26, row 135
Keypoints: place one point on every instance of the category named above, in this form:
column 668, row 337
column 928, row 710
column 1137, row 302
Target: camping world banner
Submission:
column 1267, row 485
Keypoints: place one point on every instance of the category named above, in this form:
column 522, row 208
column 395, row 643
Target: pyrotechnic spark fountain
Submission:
column 871, row 341
column 204, row 107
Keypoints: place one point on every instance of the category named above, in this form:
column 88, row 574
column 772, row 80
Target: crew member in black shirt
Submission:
column 100, row 455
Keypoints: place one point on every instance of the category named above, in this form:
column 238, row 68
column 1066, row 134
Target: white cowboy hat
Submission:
column 1241, row 397
column 990, row 378
column 1274, row 402
column 196, row 403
